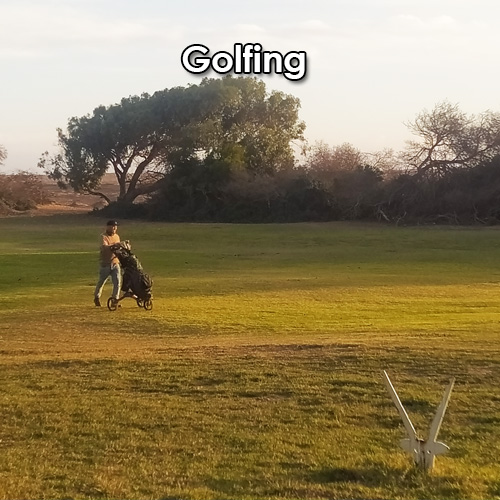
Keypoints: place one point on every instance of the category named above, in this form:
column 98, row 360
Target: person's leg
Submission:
column 116, row 278
column 104, row 272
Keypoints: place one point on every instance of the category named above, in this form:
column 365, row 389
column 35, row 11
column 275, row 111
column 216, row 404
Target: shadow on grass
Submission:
column 338, row 475
column 419, row 405
column 394, row 479
column 494, row 489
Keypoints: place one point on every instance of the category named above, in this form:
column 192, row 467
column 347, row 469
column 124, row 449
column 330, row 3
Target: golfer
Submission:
column 109, row 264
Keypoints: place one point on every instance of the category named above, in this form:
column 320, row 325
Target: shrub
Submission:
column 21, row 191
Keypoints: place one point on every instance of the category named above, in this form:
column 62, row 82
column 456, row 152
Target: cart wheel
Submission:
column 148, row 305
column 112, row 304
column 139, row 302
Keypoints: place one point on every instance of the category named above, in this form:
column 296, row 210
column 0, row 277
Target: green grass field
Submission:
column 258, row 373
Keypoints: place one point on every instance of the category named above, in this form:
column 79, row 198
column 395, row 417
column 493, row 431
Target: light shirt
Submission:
column 106, row 256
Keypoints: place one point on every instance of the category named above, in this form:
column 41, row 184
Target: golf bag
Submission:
column 135, row 280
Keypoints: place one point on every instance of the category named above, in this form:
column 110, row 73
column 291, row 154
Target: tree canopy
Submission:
column 142, row 138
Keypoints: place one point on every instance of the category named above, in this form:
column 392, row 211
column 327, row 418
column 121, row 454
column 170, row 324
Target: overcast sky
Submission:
column 372, row 64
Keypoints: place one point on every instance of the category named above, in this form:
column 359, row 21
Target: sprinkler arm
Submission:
column 422, row 451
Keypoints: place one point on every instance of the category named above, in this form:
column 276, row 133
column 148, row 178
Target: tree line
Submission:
column 229, row 150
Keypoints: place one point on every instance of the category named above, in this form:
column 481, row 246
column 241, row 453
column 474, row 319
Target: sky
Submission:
column 372, row 65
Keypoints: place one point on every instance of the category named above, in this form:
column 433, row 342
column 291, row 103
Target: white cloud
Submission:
column 30, row 29
column 444, row 22
column 17, row 53
column 411, row 24
column 315, row 26
column 249, row 28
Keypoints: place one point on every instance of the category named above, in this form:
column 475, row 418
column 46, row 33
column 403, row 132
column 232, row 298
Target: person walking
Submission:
column 109, row 265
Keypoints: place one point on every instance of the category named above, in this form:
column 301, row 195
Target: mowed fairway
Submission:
column 258, row 373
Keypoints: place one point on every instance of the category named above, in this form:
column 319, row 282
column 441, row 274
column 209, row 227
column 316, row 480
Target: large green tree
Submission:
column 144, row 137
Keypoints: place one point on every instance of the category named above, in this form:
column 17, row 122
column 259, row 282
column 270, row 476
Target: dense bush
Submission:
column 211, row 190
column 461, row 196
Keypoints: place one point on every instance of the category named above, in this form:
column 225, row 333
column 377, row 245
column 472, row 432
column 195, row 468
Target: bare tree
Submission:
column 3, row 154
column 325, row 162
column 449, row 139
column 387, row 161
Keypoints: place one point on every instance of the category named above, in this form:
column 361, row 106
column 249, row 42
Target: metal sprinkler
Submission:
column 422, row 451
